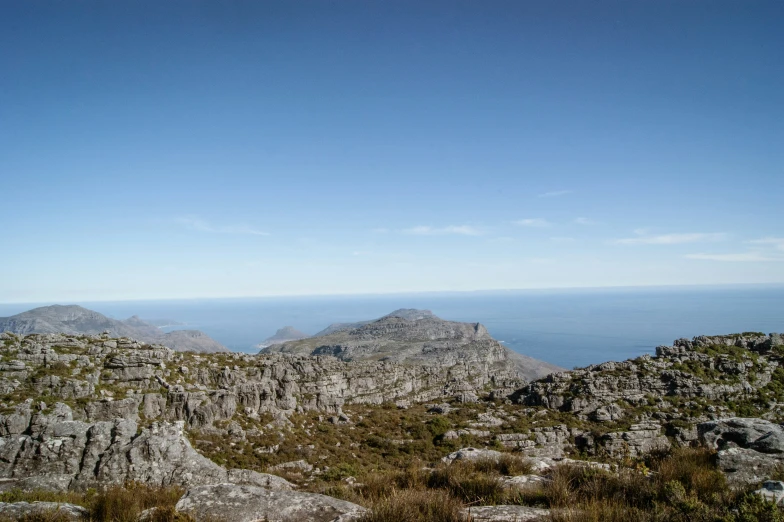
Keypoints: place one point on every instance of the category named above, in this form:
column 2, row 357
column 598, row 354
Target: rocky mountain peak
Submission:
column 77, row 320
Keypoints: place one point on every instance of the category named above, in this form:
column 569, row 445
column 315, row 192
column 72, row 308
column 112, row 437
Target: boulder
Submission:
column 18, row 510
column 757, row 434
column 524, row 482
column 506, row 513
column 749, row 450
column 252, row 504
column 772, row 490
column 472, row 454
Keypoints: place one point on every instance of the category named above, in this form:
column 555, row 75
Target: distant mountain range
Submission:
column 287, row 333
column 415, row 337
column 73, row 319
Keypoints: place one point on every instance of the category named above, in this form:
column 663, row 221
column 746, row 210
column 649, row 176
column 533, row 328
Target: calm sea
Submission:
column 566, row 327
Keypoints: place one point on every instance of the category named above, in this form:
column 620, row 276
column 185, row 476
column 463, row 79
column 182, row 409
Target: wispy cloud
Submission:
column 200, row 225
column 775, row 242
column 737, row 257
column 461, row 230
column 584, row 221
column 380, row 230
column 533, row 223
column 554, row 193
column 670, row 239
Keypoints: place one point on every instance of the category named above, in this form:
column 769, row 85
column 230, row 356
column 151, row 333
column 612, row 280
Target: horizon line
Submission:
column 407, row 292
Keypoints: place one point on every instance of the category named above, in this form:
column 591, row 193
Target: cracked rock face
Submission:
column 55, row 452
column 749, row 450
column 252, row 504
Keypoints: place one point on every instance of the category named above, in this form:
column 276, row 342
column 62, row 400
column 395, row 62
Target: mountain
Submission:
column 409, row 314
column 415, row 337
column 191, row 341
column 73, row 319
column 287, row 333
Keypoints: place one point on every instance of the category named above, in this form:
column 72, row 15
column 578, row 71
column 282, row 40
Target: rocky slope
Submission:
column 75, row 320
column 77, row 411
column 418, row 338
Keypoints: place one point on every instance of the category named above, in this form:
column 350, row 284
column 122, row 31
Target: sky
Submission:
column 222, row 149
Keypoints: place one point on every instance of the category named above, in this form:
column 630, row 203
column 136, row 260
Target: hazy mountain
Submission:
column 415, row 337
column 403, row 313
column 73, row 319
column 287, row 333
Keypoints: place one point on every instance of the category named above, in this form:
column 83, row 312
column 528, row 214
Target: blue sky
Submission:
column 213, row 149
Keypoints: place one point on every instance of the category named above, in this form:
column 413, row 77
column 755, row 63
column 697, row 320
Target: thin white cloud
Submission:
column 670, row 239
column 200, row 225
column 461, row 230
column 533, row 223
column 554, row 193
column 775, row 242
column 584, row 221
column 502, row 239
column 738, row 257
column 380, row 230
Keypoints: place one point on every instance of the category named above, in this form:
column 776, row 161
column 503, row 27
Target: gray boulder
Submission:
column 472, row 454
column 17, row 510
column 749, row 450
column 772, row 490
column 252, row 504
column 506, row 514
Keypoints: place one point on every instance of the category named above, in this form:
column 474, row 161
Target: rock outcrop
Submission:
column 749, row 450
column 41, row 511
column 252, row 504
column 56, row 452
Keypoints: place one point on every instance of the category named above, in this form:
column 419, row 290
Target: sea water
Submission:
column 569, row 328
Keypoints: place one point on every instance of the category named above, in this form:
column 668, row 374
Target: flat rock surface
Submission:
column 507, row 514
column 472, row 454
column 253, row 504
column 17, row 510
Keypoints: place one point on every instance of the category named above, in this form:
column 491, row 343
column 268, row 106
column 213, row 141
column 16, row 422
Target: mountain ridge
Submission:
column 418, row 337
column 76, row 320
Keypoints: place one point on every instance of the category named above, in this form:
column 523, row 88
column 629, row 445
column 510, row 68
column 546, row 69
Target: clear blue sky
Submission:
column 205, row 149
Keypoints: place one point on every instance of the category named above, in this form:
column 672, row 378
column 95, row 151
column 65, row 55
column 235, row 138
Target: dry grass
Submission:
column 126, row 503
column 416, row 506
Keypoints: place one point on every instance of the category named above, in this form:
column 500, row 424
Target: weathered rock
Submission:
column 472, row 454
column 639, row 440
column 749, row 450
column 18, row 510
column 60, row 454
column 252, row 504
column 772, row 490
column 542, row 464
column 506, row 514
column 757, row 434
column 297, row 465
column 524, row 481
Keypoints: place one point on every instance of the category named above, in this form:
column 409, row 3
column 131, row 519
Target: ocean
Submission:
column 570, row 328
